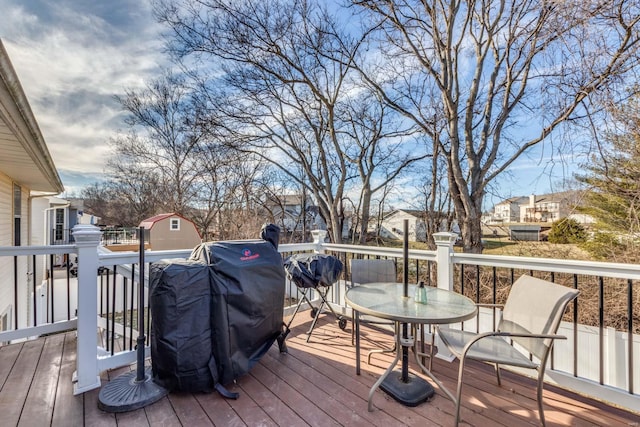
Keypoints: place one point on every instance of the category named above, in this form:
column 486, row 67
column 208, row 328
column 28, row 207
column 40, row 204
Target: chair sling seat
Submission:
column 489, row 349
column 531, row 316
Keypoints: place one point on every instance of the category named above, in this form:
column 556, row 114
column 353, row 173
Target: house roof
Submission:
column 25, row 156
column 519, row 200
column 285, row 200
column 149, row 222
column 418, row 213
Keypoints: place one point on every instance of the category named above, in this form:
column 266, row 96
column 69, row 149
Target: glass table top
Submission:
column 386, row 300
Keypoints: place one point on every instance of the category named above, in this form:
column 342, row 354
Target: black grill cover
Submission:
column 270, row 233
column 312, row 270
column 247, row 291
column 180, row 304
column 216, row 315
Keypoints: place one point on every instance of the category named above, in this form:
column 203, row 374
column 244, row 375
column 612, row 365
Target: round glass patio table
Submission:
column 387, row 301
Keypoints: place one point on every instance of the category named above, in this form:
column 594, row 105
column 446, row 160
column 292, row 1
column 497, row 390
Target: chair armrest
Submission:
column 490, row 305
column 468, row 346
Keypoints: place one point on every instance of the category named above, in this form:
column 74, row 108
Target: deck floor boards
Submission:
column 313, row 384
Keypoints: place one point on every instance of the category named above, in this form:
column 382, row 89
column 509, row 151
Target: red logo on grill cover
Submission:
column 247, row 255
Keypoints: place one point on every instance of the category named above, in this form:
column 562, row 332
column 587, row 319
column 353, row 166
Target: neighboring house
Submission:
column 171, row 231
column 27, row 172
column 508, row 210
column 545, row 208
column 53, row 218
column 548, row 207
column 82, row 216
column 392, row 225
column 291, row 212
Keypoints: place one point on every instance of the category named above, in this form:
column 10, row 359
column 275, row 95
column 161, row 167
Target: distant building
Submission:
column 171, row 231
column 293, row 212
column 527, row 232
column 507, row 210
column 545, row 208
column 392, row 225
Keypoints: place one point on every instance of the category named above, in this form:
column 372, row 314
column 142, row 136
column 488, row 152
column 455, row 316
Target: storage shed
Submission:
column 527, row 232
column 171, row 231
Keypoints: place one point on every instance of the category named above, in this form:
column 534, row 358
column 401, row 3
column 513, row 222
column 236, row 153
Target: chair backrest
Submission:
column 535, row 306
column 373, row 270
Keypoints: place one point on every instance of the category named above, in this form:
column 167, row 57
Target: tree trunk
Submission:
column 365, row 208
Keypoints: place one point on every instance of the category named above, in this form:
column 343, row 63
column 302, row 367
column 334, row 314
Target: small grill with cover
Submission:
column 314, row 271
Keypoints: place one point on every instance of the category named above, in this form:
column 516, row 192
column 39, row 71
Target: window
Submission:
column 59, row 226
column 175, row 224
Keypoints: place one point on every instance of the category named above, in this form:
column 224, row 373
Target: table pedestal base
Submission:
column 411, row 393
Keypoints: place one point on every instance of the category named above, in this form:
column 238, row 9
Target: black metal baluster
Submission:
column 630, row 333
column 601, row 327
column 493, row 300
column 15, row 292
column 69, row 289
column 35, row 305
column 575, row 328
column 113, row 315
column 133, row 286
column 107, row 314
column 50, row 290
column 478, row 297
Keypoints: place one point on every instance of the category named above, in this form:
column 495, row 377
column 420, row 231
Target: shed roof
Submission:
column 150, row 222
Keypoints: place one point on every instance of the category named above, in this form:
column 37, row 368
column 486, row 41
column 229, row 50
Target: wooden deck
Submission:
column 314, row 384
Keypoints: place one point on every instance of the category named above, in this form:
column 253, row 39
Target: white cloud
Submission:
column 72, row 57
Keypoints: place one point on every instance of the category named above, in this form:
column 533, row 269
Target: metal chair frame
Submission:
column 531, row 317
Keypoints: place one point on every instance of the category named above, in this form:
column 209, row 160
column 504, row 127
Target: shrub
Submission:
column 567, row 230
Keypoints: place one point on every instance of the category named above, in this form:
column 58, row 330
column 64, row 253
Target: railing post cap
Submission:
column 86, row 233
column 445, row 238
column 319, row 236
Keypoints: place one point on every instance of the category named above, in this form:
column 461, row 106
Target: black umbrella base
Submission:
column 410, row 393
column 126, row 394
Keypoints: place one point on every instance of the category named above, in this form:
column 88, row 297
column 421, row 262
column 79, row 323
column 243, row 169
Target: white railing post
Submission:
column 444, row 242
column 87, row 376
column 319, row 237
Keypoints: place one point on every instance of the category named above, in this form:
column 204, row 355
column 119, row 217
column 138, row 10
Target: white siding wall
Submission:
column 6, row 264
column 7, row 297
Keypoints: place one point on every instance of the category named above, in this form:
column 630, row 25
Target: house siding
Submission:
column 6, row 263
column 5, row 210
column 7, row 297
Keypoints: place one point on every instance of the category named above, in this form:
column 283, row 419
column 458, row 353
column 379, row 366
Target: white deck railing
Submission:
column 611, row 374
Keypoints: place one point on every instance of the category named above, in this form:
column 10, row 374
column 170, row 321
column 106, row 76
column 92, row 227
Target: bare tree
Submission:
column 503, row 74
column 164, row 136
column 286, row 67
column 378, row 149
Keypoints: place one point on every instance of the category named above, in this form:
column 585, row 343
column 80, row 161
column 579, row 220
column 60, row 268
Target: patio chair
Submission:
column 530, row 319
column 371, row 271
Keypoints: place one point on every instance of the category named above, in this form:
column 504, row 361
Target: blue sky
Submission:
column 73, row 56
